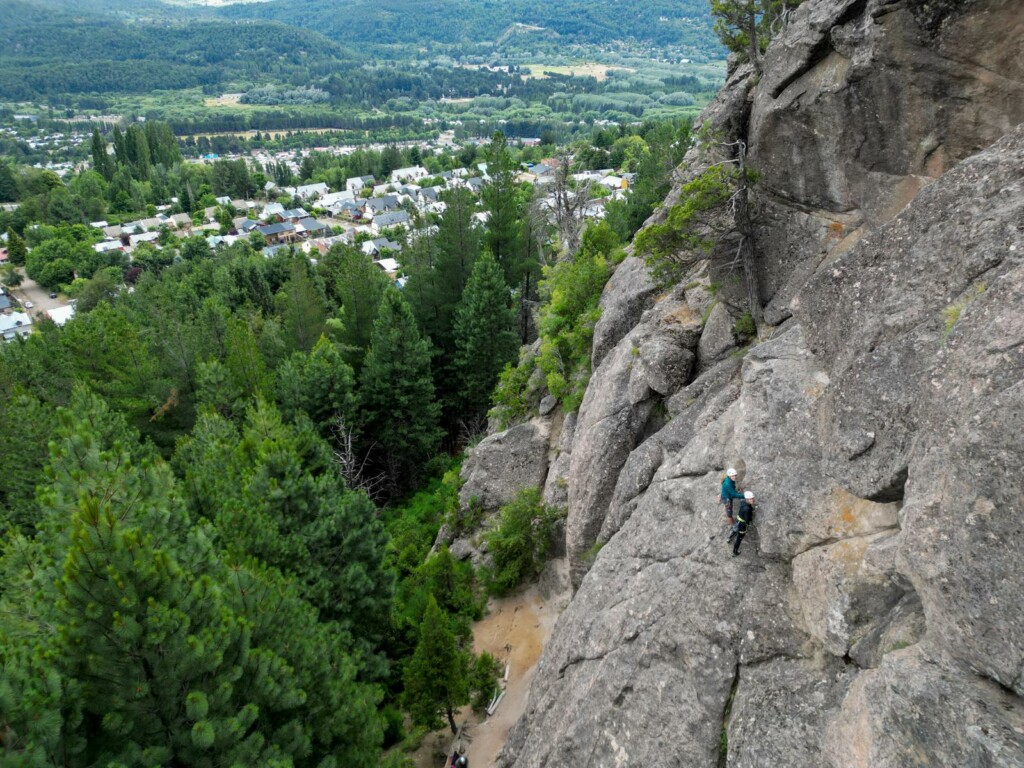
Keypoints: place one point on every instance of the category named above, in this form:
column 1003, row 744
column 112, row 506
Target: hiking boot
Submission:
column 735, row 553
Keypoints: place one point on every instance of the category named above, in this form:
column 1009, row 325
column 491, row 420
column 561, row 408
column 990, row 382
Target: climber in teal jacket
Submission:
column 729, row 492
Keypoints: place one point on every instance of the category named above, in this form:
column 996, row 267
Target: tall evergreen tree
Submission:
column 437, row 675
column 8, row 184
column 17, row 253
column 273, row 492
column 505, row 231
column 485, row 337
column 302, row 306
column 357, row 285
column 399, row 409
column 440, row 268
column 126, row 638
column 320, row 384
column 507, row 235
column 102, row 163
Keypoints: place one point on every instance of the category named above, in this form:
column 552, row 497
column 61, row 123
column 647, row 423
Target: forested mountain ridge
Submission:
column 48, row 52
column 468, row 21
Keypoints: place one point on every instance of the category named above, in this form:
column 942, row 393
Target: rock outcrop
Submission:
column 874, row 617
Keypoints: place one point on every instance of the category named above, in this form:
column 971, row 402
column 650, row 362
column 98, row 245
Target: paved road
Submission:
column 29, row 290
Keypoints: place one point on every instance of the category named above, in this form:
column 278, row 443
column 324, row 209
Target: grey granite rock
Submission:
column 875, row 615
column 717, row 338
column 503, row 464
column 628, row 293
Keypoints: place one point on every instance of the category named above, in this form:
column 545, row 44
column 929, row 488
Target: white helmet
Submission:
column 731, row 472
column 748, row 495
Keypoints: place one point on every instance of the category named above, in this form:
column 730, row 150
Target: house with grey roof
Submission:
column 392, row 219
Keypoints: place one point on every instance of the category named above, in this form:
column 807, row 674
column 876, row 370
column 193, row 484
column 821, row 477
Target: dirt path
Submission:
column 516, row 630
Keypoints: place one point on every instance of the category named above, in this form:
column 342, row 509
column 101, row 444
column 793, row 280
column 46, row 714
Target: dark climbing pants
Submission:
column 737, row 538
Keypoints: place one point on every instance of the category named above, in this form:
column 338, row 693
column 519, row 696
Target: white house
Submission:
column 312, row 191
column 357, row 183
column 15, row 324
column 107, row 246
column 333, row 198
column 61, row 315
column 413, row 173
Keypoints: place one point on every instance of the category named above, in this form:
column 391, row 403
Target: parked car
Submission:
column 28, row 305
column 53, row 295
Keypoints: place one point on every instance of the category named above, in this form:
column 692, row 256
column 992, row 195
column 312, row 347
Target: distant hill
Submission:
column 48, row 49
column 384, row 22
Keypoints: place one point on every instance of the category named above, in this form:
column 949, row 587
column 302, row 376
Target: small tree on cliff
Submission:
column 746, row 26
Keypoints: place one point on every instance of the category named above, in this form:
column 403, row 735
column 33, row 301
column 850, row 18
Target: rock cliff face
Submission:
column 875, row 617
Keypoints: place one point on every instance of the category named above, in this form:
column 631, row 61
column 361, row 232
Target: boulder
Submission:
column 717, row 338
column 503, row 464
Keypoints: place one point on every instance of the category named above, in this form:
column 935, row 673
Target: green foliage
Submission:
column 397, row 393
column 666, row 143
column 688, row 233
column 520, row 542
column 273, row 492
column 505, row 236
column 484, row 675
column 746, row 26
column 437, row 675
column 572, row 290
column 16, row 251
column 126, row 638
column 485, row 339
column 320, row 384
column 357, row 286
column 744, row 325
column 510, row 399
column 10, row 276
column 28, row 425
column 413, row 525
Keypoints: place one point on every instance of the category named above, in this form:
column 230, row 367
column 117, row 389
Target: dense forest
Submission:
column 660, row 22
column 115, row 56
column 224, row 475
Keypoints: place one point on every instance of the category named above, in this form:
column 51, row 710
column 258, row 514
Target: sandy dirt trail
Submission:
column 516, row 630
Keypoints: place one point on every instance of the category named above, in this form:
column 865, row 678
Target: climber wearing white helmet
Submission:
column 744, row 518
column 729, row 492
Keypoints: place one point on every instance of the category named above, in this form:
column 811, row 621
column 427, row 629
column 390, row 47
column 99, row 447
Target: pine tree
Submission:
column 397, row 393
column 16, row 250
column 8, row 184
column 126, row 638
column 302, row 307
column 273, row 492
column 437, row 675
column 101, row 160
column 485, row 337
column 321, row 384
column 505, row 232
column 358, row 286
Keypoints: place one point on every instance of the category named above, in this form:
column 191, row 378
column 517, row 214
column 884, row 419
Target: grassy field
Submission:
column 587, row 69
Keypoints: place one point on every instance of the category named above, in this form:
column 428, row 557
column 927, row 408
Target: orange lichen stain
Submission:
column 684, row 315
